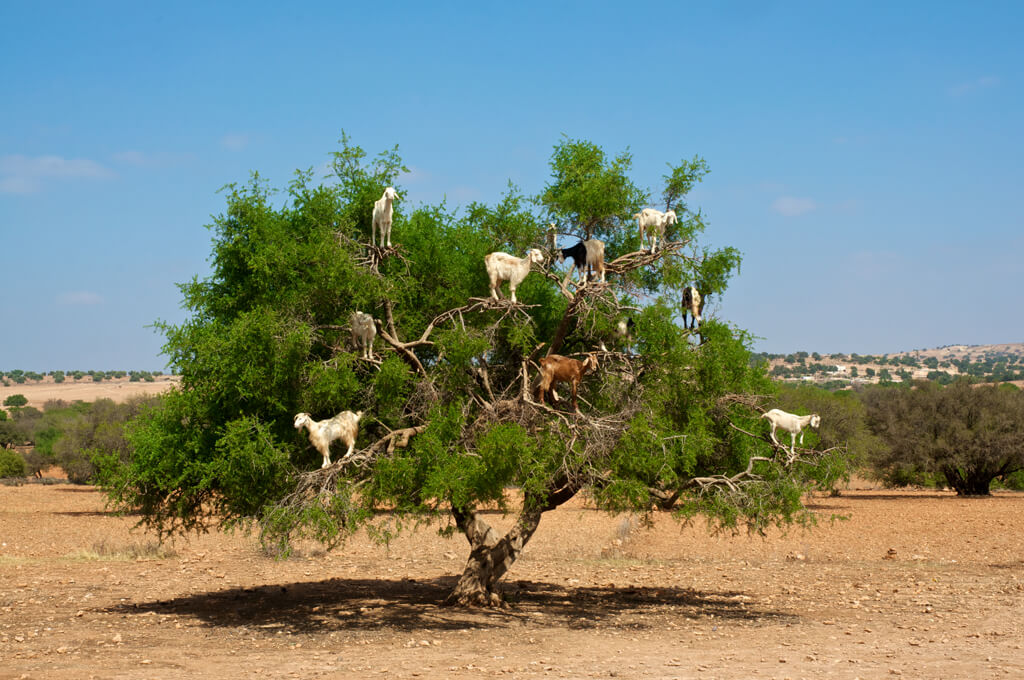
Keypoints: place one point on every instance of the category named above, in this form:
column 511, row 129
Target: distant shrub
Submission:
column 11, row 464
column 1014, row 481
column 58, row 376
column 16, row 400
column 96, row 436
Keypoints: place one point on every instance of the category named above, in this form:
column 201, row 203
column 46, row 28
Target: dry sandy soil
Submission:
column 82, row 596
column 121, row 389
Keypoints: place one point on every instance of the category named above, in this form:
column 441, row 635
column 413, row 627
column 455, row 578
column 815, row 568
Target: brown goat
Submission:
column 555, row 369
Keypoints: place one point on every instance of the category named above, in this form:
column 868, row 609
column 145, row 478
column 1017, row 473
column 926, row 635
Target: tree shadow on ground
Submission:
column 319, row 607
column 900, row 497
column 89, row 513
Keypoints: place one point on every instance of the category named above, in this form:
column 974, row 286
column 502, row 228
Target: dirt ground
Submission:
column 117, row 389
column 912, row 584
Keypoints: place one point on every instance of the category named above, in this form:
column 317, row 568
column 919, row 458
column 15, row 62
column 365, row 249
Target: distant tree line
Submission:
column 994, row 367
column 965, row 437
column 21, row 377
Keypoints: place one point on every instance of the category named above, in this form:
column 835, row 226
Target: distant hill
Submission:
column 985, row 363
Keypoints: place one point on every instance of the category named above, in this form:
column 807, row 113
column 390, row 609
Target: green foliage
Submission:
column 1014, row 481
column 16, row 400
column 74, row 436
column 267, row 336
column 962, row 435
column 11, row 464
column 592, row 193
column 843, row 420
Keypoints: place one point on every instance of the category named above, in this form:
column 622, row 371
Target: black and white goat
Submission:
column 589, row 253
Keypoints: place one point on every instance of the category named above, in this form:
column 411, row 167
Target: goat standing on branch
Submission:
column 793, row 424
column 383, row 211
column 654, row 222
column 344, row 426
column 555, row 368
column 589, row 253
column 505, row 267
column 691, row 305
column 363, row 332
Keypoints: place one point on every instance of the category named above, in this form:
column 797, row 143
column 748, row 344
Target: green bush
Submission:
column 11, row 464
column 1014, row 480
column 16, row 400
column 91, row 432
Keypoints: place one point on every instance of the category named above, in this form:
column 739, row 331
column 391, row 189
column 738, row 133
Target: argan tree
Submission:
column 961, row 434
column 452, row 422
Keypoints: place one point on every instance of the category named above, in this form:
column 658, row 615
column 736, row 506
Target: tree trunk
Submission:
column 490, row 557
column 969, row 483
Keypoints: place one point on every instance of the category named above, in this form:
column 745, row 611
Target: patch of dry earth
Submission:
column 594, row 596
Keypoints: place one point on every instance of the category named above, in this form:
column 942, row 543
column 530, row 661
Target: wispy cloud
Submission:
column 26, row 174
column 79, row 298
column 972, row 86
column 235, row 141
column 141, row 159
column 791, row 206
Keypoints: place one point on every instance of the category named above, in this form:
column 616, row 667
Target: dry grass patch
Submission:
column 109, row 551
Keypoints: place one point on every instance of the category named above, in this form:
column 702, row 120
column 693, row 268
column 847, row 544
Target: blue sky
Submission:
column 864, row 155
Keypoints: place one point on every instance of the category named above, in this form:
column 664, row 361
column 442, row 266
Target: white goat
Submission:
column 654, row 222
column 363, row 332
column 505, row 267
column 793, row 424
column 383, row 211
column 344, row 426
column 691, row 304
